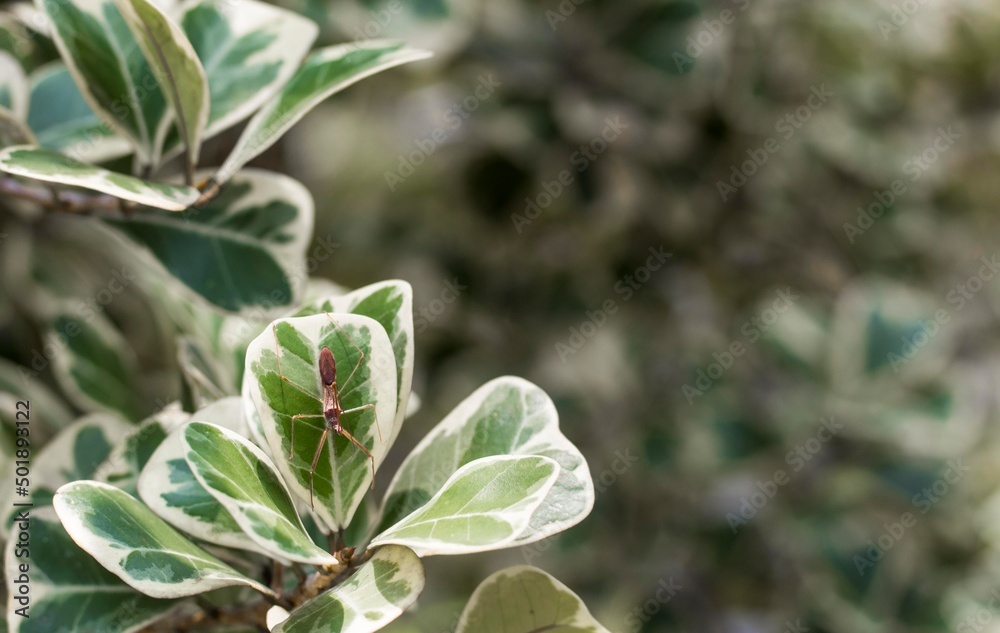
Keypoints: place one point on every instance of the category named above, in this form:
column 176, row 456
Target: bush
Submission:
column 240, row 498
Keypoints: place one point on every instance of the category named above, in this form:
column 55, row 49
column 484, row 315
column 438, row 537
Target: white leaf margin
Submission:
column 102, row 551
column 551, row 437
column 235, row 507
column 518, row 516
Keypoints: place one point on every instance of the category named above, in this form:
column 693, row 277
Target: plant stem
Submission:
column 69, row 201
column 255, row 613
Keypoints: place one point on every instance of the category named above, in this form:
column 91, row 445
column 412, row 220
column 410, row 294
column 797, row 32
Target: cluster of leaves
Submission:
column 188, row 503
column 138, row 84
column 190, row 517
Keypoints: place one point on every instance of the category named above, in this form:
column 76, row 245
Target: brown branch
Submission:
column 84, row 203
column 70, row 201
column 255, row 613
column 251, row 615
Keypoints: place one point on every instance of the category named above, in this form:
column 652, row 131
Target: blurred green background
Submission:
column 750, row 249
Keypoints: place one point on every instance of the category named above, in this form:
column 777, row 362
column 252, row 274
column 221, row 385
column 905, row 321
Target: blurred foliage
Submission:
column 890, row 332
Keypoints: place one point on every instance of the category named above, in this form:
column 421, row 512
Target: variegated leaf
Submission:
column 131, row 454
column 94, row 365
column 323, row 74
column 48, row 166
column 178, row 71
column 484, row 506
column 506, row 416
column 378, row 593
column 261, row 224
column 391, row 304
column 288, row 385
column 169, row 486
column 247, row 54
column 72, row 129
column 523, row 598
column 110, row 70
column 131, row 542
column 242, row 478
column 69, row 592
column 76, row 453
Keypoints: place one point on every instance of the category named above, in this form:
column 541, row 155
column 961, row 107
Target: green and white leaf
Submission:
column 72, row 129
column 94, row 365
column 169, row 486
column 178, row 70
column 343, row 474
column 246, row 248
column 70, row 591
column 324, row 73
column 110, row 70
column 13, row 87
column 524, row 598
column 124, row 536
column 131, row 454
column 76, row 453
column 374, row 596
column 506, row 416
column 484, row 506
column 48, row 166
column 242, row 478
column 247, row 54
column 391, row 304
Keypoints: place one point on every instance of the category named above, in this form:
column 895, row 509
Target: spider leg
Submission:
column 364, row 450
column 374, row 413
column 291, row 439
column 312, row 469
